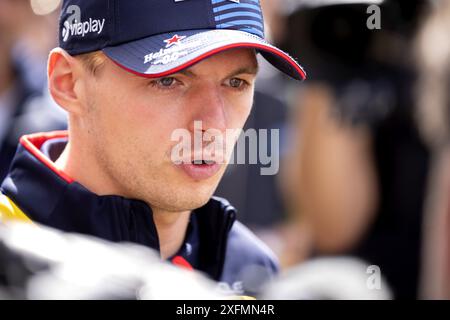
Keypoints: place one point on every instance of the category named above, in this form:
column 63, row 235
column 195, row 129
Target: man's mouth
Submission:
column 203, row 162
column 201, row 169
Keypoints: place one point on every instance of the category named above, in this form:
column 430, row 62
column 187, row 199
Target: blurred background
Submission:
column 365, row 160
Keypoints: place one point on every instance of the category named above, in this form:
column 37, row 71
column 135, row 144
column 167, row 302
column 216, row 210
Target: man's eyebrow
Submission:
column 187, row 73
column 253, row 70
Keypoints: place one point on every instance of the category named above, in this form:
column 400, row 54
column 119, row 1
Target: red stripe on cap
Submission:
column 181, row 262
column 215, row 51
column 34, row 142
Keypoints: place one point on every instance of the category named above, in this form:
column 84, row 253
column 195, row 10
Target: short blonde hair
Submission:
column 92, row 61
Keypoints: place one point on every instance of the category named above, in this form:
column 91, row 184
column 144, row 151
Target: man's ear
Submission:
column 63, row 74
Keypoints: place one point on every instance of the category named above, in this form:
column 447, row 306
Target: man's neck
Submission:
column 171, row 226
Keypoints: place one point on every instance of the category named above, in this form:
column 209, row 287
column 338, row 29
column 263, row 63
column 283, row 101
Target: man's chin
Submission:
column 193, row 200
column 186, row 199
column 183, row 205
column 185, row 194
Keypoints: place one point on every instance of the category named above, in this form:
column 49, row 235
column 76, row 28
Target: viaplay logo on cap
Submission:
column 73, row 26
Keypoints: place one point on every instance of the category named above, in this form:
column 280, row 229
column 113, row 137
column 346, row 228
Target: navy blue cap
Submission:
column 156, row 38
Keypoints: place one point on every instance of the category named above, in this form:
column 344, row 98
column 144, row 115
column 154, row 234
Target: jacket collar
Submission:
column 50, row 197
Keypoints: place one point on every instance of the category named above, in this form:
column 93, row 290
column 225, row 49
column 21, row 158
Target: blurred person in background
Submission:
column 25, row 40
column 357, row 175
column 433, row 117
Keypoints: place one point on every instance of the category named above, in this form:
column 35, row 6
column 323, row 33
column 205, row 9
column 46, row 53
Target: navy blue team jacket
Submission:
column 215, row 244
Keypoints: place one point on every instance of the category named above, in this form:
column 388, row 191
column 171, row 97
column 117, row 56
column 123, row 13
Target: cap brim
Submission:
column 156, row 56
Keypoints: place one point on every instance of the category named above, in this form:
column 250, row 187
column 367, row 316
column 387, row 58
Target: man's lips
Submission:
column 200, row 170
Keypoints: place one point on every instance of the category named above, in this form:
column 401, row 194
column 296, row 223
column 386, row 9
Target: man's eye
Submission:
column 236, row 83
column 166, row 82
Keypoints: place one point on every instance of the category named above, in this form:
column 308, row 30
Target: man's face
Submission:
column 131, row 119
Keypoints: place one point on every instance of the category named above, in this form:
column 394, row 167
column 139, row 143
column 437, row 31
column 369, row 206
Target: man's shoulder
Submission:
column 245, row 245
column 249, row 263
column 10, row 211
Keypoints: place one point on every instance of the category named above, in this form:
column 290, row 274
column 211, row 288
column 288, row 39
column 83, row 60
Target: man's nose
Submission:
column 208, row 106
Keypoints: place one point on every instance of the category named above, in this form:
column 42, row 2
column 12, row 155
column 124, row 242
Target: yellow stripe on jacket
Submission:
column 10, row 212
